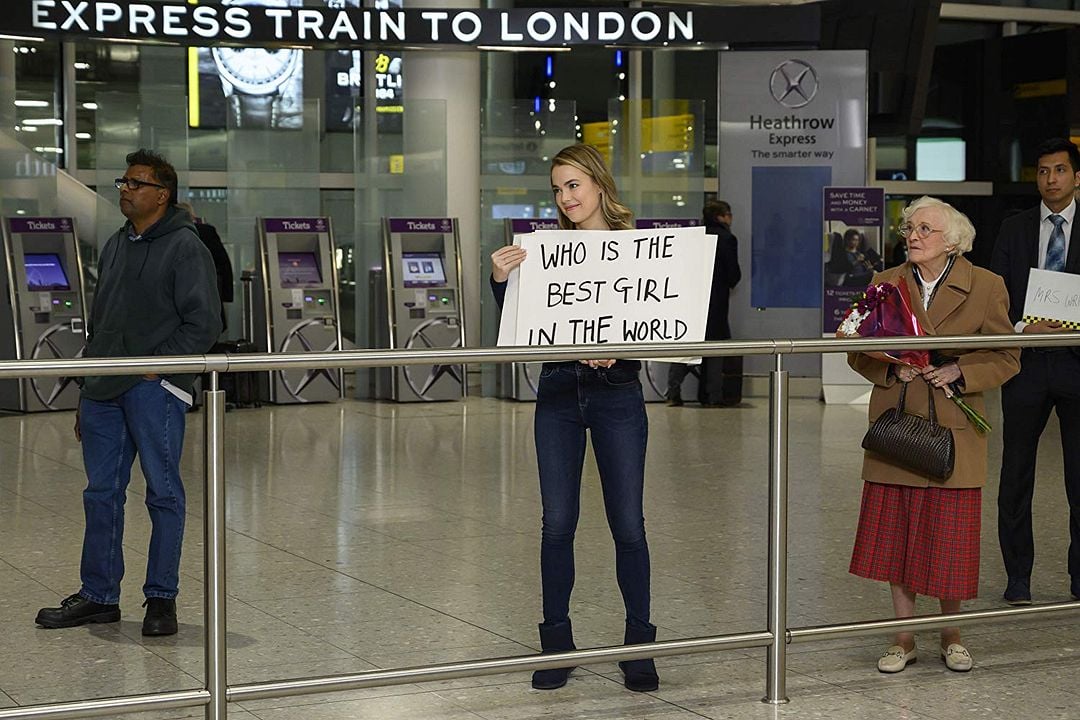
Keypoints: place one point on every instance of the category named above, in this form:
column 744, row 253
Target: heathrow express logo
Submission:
column 793, row 83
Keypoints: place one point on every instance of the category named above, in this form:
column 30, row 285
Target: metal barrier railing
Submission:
column 216, row 694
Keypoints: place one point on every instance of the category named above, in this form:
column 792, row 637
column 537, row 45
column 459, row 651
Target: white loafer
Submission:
column 894, row 659
column 957, row 658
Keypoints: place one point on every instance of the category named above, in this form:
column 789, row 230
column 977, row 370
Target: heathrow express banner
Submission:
column 791, row 123
column 245, row 24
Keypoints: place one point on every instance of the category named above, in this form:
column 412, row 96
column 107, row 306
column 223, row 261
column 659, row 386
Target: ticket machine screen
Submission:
column 422, row 269
column 299, row 269
column 44, row 272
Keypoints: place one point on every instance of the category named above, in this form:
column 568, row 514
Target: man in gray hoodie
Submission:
column 156, row 295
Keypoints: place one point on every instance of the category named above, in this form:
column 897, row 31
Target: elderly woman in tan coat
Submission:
column 919, row 534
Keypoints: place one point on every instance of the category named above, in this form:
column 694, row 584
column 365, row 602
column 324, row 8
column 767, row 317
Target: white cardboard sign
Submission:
column 584, row 287
column 1052, row 296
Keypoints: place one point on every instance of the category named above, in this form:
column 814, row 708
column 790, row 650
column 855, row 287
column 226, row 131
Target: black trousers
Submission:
column 1048, row 380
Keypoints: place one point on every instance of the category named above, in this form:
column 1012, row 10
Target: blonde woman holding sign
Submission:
column 604, row 398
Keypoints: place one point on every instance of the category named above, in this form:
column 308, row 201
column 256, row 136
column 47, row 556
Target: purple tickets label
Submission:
column 659, row 223
column 291, row 225
column 421, row 225
column 855, row 206
column 520, row 226
column 41, row 225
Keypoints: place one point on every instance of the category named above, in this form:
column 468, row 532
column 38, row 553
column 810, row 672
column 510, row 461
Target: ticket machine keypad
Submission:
column 55, row 304
column 432, row 302
column 308, row 303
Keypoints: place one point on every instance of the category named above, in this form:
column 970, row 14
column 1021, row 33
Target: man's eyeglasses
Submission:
column 921, row 231
column 133, row 184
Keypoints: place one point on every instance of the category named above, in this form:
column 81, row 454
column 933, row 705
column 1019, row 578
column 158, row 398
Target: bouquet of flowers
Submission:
column 884, row 310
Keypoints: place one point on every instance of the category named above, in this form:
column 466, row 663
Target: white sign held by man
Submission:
column 1053, row 296
column 586, row 287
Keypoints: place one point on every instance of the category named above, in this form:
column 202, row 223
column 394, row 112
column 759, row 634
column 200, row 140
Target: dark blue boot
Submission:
column 639, row 675
column 554, row 637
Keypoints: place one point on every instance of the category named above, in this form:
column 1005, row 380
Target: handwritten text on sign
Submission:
column 1052, row 296
column 621, row 286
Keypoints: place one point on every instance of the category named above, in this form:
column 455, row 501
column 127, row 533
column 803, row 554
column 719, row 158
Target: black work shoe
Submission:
column 674, row 400
column 160, row 616
column 76, row 610
column 1018, row 592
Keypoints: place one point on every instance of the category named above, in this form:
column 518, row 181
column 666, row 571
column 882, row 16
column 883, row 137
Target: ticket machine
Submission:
column 296, row 306
column 655, row 372
column 519, row 380
column 44, row 319
column 424, row 309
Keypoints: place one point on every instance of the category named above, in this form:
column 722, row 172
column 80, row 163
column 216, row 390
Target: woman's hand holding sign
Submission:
column 504, row 260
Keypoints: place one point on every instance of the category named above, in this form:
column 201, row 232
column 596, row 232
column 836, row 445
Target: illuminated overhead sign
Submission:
column 248, row 24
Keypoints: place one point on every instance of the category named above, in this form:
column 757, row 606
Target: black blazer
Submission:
column 1017, row 251
column 726, row 275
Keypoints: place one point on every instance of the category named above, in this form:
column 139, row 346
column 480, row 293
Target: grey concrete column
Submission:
column 663, row 75
column 7, row 87
column 454, row 76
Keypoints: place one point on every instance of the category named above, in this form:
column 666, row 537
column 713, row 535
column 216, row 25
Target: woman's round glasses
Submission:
column 921, row 231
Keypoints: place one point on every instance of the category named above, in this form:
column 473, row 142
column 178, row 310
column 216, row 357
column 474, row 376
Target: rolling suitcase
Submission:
column 241, row 389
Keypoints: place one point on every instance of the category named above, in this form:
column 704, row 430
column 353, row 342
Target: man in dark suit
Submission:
column 721, row 377
column 1044, row 237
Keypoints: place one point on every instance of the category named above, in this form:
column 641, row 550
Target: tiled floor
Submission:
column 369, row 535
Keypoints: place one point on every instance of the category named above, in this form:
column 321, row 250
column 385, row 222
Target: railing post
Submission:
column 214, row 550
column 776, row 658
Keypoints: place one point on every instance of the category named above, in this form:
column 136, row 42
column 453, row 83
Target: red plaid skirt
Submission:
column 926, row 539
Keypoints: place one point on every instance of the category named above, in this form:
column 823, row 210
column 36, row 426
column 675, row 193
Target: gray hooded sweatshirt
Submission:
column 156, row 295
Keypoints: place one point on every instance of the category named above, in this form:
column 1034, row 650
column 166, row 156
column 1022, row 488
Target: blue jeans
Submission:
column 571, row 399
column 146, row 420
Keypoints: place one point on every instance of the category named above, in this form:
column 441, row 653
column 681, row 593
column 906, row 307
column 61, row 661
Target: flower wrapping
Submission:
column 884, row 310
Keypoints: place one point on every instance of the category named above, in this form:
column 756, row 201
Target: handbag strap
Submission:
column 930, row 398
column 932, row 413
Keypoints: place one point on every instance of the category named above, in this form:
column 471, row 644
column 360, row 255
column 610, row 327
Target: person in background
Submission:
column 601, row 399
column 720, row 383
column 222, row 264
column 1045, row 237
column 919, row 534
column 156, row 295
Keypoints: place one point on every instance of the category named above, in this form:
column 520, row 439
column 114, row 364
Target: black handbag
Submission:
column 916, row 443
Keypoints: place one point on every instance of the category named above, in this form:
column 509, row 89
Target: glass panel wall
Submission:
column 518, row 138
column 33, row 96
column 399, row 165
column 103, row 68
column 273, row 172
column 656, row 150
column 31, row 127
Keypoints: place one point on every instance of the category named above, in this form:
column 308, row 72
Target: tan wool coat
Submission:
column 972, row 301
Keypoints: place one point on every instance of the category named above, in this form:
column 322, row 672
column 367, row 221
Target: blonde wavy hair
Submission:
column 588, row 160
column 958, row 232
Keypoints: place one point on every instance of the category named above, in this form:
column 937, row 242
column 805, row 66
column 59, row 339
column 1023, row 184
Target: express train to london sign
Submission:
column 281, row 23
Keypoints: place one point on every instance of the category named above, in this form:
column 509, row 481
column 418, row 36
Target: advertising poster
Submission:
column 853, row 221
column 263, row 87
column 791, row 123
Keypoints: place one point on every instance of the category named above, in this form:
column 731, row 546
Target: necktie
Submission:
column 1055, row 251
